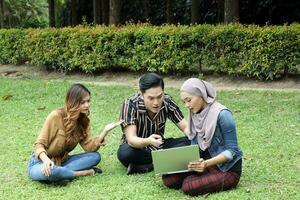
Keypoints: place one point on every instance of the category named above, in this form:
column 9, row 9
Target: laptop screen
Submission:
column 174, row 160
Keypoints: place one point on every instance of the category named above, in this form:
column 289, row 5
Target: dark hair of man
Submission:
column 150, row 80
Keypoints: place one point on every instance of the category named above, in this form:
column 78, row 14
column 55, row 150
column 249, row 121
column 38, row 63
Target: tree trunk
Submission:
column 169, row 12
column 115, row 12
column 286, row 72
column 146, row 6
column 1, row 13
column 9, row 20
column 51, row 4
column 195, row 11
column 220, row 12
column 97, row 12
column 231, row 13
column 74, row 13
column 105, row 11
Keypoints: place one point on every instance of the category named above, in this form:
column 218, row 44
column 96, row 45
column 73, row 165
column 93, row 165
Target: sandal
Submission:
column 97, row 170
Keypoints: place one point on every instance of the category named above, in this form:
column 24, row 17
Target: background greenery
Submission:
column 34, row 13
column 25, row 13
column 268, row 132
column 263, row 53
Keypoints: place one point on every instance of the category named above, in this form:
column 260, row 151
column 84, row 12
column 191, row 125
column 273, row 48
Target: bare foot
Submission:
column 87, row 172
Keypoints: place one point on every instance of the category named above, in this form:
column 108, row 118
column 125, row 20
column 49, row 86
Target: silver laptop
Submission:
column 174, row 160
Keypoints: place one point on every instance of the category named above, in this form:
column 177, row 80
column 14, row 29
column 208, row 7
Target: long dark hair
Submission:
column 77, row 125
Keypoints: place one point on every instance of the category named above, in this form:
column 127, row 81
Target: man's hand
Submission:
column 155, row 140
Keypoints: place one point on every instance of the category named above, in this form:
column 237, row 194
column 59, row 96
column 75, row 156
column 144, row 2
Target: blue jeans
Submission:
column 66, row 171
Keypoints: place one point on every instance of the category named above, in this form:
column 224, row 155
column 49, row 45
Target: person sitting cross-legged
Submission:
column 63, row 129
column 212, row 127
column 144, row 116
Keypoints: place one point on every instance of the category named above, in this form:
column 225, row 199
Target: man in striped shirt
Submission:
column 144, row 116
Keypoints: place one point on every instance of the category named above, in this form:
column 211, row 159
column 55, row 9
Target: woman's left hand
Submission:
column 197, row 166
column 106, row 130
column 111, row 126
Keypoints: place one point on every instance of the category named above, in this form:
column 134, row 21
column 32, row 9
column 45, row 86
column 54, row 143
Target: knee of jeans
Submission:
column 31, row 174
column 34, row 172
column 97, row 157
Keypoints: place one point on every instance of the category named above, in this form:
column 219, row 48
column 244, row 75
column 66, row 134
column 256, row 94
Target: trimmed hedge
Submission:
column 263, row 52
column 12, row 46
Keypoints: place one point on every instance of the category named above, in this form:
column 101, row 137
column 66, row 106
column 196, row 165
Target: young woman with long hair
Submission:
column 63, row 129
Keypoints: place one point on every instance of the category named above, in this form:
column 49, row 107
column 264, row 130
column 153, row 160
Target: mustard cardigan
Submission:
column 52, row 140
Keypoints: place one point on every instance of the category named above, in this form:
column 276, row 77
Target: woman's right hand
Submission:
column 47, row 166
column 197, row 166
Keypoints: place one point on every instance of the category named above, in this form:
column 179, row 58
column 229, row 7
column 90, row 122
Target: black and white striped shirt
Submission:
column 133, row 112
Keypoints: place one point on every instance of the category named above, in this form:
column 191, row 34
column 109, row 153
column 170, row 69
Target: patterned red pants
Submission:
column 193, row 183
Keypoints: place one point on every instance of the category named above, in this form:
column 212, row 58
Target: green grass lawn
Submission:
column 268, row 124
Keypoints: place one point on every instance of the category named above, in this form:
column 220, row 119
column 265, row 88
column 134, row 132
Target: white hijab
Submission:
column 203, row 124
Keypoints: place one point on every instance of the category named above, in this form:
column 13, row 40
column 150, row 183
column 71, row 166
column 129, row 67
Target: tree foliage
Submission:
column 25, row 13
column 34, row 13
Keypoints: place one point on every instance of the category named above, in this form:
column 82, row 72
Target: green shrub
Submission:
column 12, row 46
column 263, row 52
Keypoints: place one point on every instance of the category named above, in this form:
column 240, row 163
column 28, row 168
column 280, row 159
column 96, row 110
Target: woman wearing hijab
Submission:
column 212, row 127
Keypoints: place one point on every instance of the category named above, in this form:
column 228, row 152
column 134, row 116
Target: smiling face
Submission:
column 194, row 103
column 85, row 104
column 153, row 99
